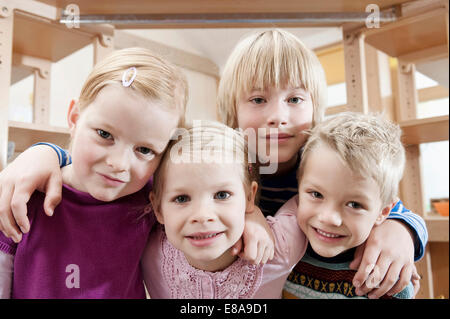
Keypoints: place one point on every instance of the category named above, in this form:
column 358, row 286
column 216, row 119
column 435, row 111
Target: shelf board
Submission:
column 411, row 34
column 218, row 6
column 426, row 130
column 49, row 40
column 437, row 227
column 26, row 134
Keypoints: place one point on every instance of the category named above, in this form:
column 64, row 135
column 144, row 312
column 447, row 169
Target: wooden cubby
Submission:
column 31, row 39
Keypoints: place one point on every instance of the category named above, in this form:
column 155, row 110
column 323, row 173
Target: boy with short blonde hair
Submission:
column 348, row 183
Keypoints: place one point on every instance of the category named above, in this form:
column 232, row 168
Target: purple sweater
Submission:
column 88, row 249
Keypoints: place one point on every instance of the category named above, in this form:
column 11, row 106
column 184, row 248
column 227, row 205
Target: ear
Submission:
column 156, row 210
column 384, row 214
column 72, row 116
column 251, row 197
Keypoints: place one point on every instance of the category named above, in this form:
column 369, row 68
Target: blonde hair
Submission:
column 156, row 78
column 206, row 137
column 274, row 58
column 368, row 144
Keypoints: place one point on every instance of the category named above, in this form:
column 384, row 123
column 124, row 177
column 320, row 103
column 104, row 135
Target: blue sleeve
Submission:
column 416, row 224
column 63, row 155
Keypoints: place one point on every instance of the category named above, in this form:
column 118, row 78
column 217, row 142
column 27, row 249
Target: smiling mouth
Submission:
column 327, row 234
column 201, row 236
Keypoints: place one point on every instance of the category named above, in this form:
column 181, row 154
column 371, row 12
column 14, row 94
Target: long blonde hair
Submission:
column 274, row 58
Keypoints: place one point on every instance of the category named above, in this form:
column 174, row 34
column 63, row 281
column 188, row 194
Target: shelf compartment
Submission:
column 26, row 134
column 426, row 130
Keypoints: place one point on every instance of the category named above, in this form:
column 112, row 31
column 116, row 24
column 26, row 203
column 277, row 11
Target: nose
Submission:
column 119, row 159
column 202, row 212
column 330, row 216
column 278, row 114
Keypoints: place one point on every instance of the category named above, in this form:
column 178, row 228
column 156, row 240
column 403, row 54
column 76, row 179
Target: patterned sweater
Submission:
column 316, row 277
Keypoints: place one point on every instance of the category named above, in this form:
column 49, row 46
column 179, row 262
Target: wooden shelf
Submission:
column 218, row 6
column 426, row 130
column 420, row 33
column 49, row 40
column 26, row 134
column 438, row 227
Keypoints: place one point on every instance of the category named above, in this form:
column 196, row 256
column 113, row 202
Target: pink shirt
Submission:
column 167, row 274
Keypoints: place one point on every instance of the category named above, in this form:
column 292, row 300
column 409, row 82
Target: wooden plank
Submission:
column 411, row 34
column 6, row 29
column 26, row 134
column 49, row 40
column 425, row 130
column 432, row 93
column 439, row 262
column 438, row 228
column 219, row 6
column 355, row 71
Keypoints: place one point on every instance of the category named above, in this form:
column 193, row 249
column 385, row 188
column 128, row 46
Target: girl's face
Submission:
column 203, row 207
column 117, row 143
column 337, row 208
column 289, row 111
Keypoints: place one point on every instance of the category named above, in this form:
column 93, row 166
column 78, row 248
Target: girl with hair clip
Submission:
column 202, row 191
column 92, row 246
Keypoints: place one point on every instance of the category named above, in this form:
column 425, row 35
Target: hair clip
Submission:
column 125, row 76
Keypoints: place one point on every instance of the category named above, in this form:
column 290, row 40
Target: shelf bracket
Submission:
column 103, row 45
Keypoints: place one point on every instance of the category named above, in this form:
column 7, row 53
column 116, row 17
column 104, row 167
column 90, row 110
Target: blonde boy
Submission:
column 348, row 183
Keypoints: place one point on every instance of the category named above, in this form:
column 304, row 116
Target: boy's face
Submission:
column 117, row 142
column 337, row 209
column 202, row 207
column 288, row 110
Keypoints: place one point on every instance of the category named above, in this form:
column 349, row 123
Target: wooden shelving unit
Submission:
column 31, row 39
column 419, row 35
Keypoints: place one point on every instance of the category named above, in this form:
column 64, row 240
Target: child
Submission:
column 270, row 81
column 274, row 84
column 348, row 182
column 201, row 197
column 123, row 121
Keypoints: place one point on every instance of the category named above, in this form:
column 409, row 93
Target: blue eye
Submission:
column 354, row 205
column 295, row 100
column 258, row 100
column 222, row 195
column 104, row 134
column 181, row 199
column 315, row 194
column 145, row 150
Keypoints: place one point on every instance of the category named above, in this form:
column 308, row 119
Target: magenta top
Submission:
column 87, row 249
column 167, row 273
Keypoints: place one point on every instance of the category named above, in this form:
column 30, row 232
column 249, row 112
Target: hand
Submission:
column 37, row 168
column 385, row 262
column 258, row 239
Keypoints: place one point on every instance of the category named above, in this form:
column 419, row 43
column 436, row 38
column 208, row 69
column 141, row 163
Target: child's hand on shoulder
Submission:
column 257, row 239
